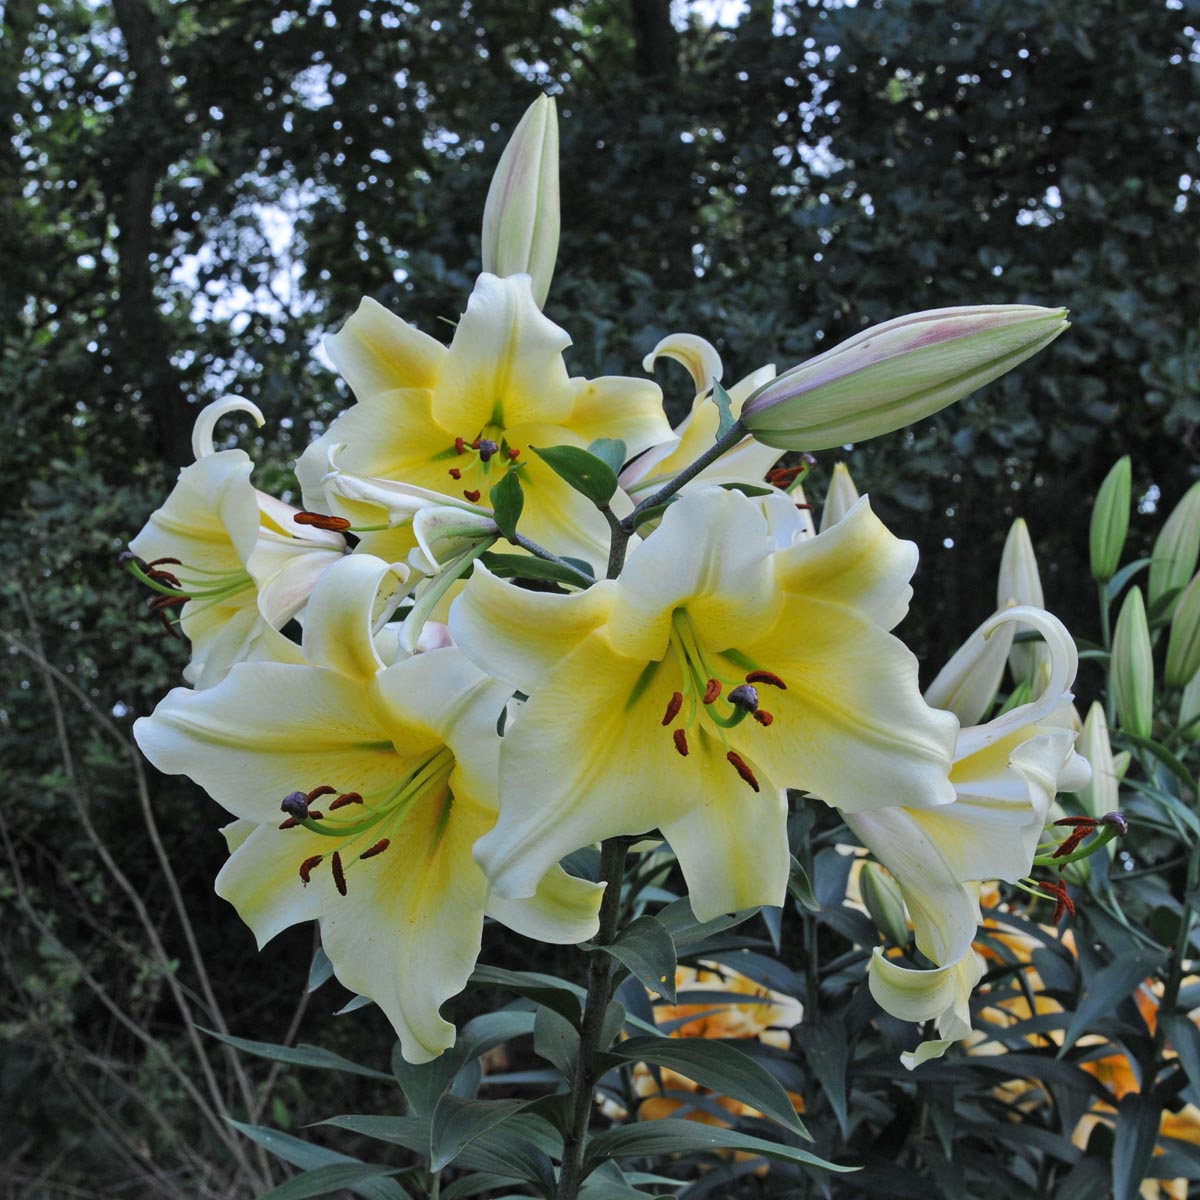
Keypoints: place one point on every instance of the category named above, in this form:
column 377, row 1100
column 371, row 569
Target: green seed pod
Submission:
column 1110, row 521
column 1131, row 673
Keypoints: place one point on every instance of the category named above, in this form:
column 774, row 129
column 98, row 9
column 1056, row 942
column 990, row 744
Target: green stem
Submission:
column 537, row 551
column 618, row 542
column 613, row 853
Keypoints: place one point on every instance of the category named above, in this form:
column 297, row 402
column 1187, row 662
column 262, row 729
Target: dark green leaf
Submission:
column 1138, row 1119
column 1185, row 1037
column 647, row 950
column 410, row 1132
column 507, row 500
column 610, row 450
column 557, row 1041
column 525, row 566
column 489, row 1030
column 800, row 887
column 1106, row 989
column 724, row 407
column 424, row 1084
column 672, row 1136
column 1117, row 583
column 321, row 1181
column 565, row 998
column 321, row 970
column 473, row 1185
column 457, row 1123
column 590, row 476
column 826, row 1053
column 306, row 1156
column 748, row 489
column 720, row 1066
column 299, row 1056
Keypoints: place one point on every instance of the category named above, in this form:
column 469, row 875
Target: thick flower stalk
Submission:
column 359, row 791
column 436, row 424
column 232, row 559
column 688, row 694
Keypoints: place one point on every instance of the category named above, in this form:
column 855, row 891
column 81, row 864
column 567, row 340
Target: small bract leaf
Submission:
column 611, row 450
column 507, row 500
column 590, row 476
column 645, row 947
column 724, row 403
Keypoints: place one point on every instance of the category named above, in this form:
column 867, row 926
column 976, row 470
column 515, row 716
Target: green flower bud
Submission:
column 1176, row 550
column 521, row 216
column 1099, row 795
column 840, row 498
column 1183, row 649
column 896, row 373
column 968, row 683
column 1110, row 521
column 1189, row 710
column 884, row 903
column 1121, row 761
column 1019, row 582
column 1131, row 673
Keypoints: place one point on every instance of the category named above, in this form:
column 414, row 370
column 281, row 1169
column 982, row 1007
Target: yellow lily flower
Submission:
column 432, row 421
column 235, row 554
column 689, row 694
column 387, row 779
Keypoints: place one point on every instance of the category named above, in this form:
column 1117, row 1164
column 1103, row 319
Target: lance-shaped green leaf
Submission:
column 457, row 1123
column 645, row 947
column 556, row 1040
column 586, row 473
column 1110, row 520
column 507, row 499
column 719, row 1066
column 324, row 1181
column 611, row 450
column 303, row 1055
column 724, row 405
column 1176, row 551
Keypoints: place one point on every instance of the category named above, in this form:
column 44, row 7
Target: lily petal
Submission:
column 377, row 352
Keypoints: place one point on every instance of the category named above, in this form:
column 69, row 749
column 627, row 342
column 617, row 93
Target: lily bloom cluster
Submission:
column 666, row 643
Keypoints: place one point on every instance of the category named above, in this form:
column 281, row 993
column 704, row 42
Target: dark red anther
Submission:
column 513, row 453
column 323, row 790
column 1089, row 823
column 455, row 473
column 1063, row 902
column 804, row 507
column 344, row 799
column 780, row 477
column 673, row 706
column 379, row 847
column 339, row 876
column 473, row 495
column 158, row 562
column 742, row 768
column 164, row 577
column 766, row 677
column 712, row 690
column 158, row 603
column 460, row 445
column 169, row 625
column 763, row 717
column 475, row 443
column 681, row 742
column 290, row 823
column 1071, row 842
column 306, row 868
column 322, row 521
column 315, row 814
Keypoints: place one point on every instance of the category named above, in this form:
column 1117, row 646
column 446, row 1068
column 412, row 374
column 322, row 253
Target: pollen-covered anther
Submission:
column 158, row 562
column 322, row 521
column 487, row 448
column 339, row 876
column 1071, row 842
column 766, row 677
column 1063, row 902
column 712, row 690
column 742, row 768
column 513, row 453
column 160, row 576
column 344, row 799
column 295, row 804
column 379, row 847
column 460, row 445
column 158, row 603
column 745, row 696
column 680, row 738
column 764, row 718
column 323, row 790
column 455, row 473
column 673, row 706
column 473, row 495
column 306, row 868
column 780, row 477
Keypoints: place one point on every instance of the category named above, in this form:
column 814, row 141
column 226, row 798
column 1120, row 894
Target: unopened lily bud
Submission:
column 1110, row 521
column 840, row 497
column 1176, row 550
column 1099, row 795
column 1019, row 582
column 1131, row 674
column 896, row 373
column 1183, row 649
column 1121, row 761
column 521, row 216
column 884, row 903
column 968, row 683
column 1189, row 710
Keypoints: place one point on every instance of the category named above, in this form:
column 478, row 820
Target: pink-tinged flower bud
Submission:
column 521, row 216
column 896, row 373
column 1110, row 521
column 1131, row 674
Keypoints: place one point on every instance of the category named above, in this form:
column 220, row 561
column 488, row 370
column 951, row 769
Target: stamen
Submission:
column 323, row 790
column 780, row 477
column 339, row 876
column 158, row 603
column 1063, row 902
column 475, row 443
column 763, row 717
column 673, row 706
column 158, row 562
column 486, row 449
column 1089, row 823
column 745, row 695
column 165, row 577
column 473, row 495
column 295, row 804
column 169, row 626
column 455, row 473
column 766, row 677
column 1071, row 842
column 290, row 823
column 742, row 768
column 513, row 453
column 681, row 742
column 712, row 690
column 306, row 868
column 460, row 445
column 322, row 521
column 379, row 847
column 343, row 800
